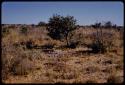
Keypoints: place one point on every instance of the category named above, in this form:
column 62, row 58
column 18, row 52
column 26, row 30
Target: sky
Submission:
column 86, row 13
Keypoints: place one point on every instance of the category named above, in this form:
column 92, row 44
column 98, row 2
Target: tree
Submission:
column 42, row 24
column 108, row 24
column 97, row 25
column 60, row 27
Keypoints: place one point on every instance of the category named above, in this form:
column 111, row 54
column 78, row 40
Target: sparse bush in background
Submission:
column 5, row 31
column 97, row 47
column 42, row 24
column 29, row 44
column 108, row 24
column 102, row 41
column 24, row 30
column 97, row 25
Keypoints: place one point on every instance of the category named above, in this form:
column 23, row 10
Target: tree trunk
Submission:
column 67, row 43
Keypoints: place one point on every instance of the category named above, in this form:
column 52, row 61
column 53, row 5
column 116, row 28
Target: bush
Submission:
column 98, row 47
column 24, row 30
column 60, row 27
column 42, row 24
column 29, row 44
column 102, row 41
column 108, row 24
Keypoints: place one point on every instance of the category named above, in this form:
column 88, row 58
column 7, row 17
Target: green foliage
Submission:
column 60, row 27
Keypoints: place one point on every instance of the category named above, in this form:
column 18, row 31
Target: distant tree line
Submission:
column 107, row 24
column 42, row 24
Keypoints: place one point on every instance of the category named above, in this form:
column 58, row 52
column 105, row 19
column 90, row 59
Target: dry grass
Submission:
column 62, row 65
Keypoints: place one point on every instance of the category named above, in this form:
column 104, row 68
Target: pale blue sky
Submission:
column 86, row 13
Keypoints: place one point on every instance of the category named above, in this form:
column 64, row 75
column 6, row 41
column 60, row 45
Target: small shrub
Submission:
column 24, row 30
column 22, row 67
column 97, row 47
column 102, row 41
column 29, row 44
